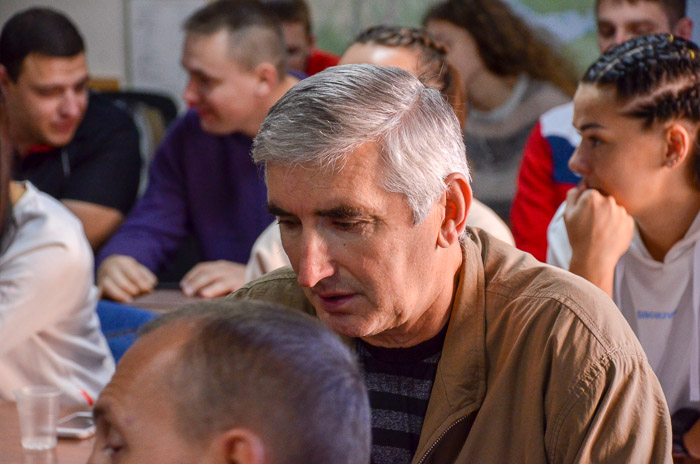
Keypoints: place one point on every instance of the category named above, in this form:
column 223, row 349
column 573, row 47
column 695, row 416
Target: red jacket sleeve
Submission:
column 536, row 198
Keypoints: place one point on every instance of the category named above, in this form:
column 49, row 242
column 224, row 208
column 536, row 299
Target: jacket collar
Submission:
column 460, row 382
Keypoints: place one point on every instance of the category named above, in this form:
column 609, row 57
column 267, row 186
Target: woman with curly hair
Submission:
column 510, row 75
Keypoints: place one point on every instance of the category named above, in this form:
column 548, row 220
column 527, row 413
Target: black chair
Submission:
column 152, row 113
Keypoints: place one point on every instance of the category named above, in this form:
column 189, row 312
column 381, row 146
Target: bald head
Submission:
column 236, row 375
column 135, row 415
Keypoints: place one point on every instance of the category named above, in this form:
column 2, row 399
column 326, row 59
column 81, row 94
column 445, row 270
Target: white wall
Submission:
column 694, row 14
column 100, row 21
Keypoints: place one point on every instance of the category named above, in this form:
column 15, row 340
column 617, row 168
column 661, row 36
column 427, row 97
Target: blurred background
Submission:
column 136, row 43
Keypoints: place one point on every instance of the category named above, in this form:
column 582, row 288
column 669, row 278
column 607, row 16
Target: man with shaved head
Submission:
column 202, row 181
column 232, row 381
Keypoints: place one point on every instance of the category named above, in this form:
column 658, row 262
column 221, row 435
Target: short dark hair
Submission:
column 675, row 9
column 275, row 371
column 37, row 30
column 255, row 31
column 292, row 11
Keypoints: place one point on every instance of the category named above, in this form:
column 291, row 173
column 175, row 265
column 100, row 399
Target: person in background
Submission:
column 49, row 331
column 632, row 226
column 415, row 51
column 202, row 179
column 302, row 54
column 74, row 145
column 544, row 176
column 234, row 382
column 462, row 338
column 511, row 76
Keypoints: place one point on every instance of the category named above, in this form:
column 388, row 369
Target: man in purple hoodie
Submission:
column 202, row 180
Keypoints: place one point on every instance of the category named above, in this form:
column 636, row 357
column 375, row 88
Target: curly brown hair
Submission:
column 507, row 46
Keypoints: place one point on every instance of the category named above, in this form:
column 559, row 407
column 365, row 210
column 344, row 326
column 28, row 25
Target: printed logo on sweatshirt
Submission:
column 656, row 314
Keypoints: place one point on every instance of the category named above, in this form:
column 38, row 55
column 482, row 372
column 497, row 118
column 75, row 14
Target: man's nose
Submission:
column 190, row 94
column 71, row 105
column 315, row 263
column 621, row 37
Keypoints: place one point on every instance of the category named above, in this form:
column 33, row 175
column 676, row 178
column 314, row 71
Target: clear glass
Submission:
column 37, row 406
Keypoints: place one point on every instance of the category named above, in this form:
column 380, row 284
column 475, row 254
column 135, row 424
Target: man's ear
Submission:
column 678, row 143
column 684, row 28
column 458, row 199
column 4, row 78
column 239, row 446
column 267, row 78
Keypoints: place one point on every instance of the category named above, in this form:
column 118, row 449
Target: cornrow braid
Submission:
column 433, row 53
column 432, row 60
column 657, row 79
column 642, row 65
column 669, row 105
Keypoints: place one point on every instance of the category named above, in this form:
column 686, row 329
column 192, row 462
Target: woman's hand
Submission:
column 600, row 232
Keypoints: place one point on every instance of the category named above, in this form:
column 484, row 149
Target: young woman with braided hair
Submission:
column 632, row 226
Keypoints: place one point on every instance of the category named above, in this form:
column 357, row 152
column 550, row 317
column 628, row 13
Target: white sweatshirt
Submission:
column 660, row 301
column 49, row 330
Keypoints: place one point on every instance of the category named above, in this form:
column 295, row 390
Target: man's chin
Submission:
column 348, row 325
column 59, row 140
column 213, row 126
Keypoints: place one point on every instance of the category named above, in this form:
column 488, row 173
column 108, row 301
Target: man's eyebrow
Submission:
column 641, row 22
column 338, row 212
column 276, row 210
column 51, row 86
column 341, row 212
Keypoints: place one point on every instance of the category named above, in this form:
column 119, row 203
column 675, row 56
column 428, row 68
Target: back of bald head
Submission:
column 255, row 31
column 276, row 372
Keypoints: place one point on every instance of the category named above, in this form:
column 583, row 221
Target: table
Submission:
column 163, row 300
column 68, row 451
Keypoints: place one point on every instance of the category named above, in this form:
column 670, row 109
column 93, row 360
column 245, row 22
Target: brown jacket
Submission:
column 538, row 366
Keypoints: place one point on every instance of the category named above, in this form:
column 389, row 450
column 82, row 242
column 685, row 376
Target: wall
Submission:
column 101, row 23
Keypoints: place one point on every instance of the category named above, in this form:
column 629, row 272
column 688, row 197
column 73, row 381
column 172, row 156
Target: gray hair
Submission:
column 325, row 117
column 273, row 370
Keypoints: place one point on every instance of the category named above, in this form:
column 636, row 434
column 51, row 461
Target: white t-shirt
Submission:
column 268, row 254
column 49, row 330
column 660, row 302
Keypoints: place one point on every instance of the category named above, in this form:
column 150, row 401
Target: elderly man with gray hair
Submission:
column 472, row 351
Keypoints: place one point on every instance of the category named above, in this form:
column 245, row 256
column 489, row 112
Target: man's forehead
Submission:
column 626, row 11
column 54, row 68
column 154, row 352
column 360, row 165
column 353, row 183
column 294, row 32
